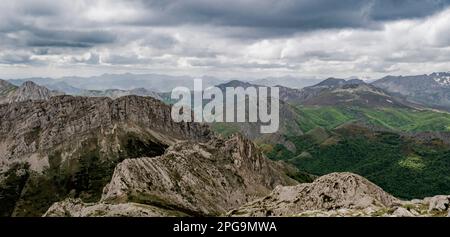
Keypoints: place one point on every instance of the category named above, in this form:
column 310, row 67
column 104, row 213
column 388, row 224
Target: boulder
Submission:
column 439, row 203
column 402, row 212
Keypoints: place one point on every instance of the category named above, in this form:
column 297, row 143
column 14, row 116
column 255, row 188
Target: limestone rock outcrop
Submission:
column 329, row 192
column 76, row 208
column 200, row 179
column 340, row 195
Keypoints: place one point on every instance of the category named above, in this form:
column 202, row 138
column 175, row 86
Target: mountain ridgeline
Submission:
column 431, row 90
column 117, row 152
column 69, row 146
column 349, row 125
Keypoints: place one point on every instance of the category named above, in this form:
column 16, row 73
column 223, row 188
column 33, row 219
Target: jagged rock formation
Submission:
column 340, row 194
column 72, row 144
column 31, row 91
column 32, row 127
column 329, row 192
column 196, row 178
column 333, row 195
column 77, row 208
column 10, row 93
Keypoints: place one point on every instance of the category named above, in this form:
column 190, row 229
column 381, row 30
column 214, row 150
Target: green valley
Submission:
column 397, row 119
column 377, row 143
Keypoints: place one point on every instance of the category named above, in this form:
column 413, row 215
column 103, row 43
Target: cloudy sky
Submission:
column 232, row 38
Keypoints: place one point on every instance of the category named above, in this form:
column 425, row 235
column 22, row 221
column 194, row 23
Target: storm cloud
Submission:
column 225, row 38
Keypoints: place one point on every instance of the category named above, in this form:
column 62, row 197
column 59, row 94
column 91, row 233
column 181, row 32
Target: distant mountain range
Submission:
column 29, row 90
column 431, row 90
column 152, row 82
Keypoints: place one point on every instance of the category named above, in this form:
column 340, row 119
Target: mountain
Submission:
column 407, row 165
column 336, row 82
column 431, row 90
column 340, row 194
column 337, row 92
column 287, row 81
column 330, row 104
column 330, row 192
column 354, row 92
column 64, row 87
column 126, row 81
column 287, row 115
column 190, row 178
column 31, row 91
column 335, row 194
column 348, row 125
column 69, row 146
column 27, row 91
column 116, row 93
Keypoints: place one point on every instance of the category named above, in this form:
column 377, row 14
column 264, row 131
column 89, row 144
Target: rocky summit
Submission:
column 329, row 192
column 340, row 194
column 31, row 91
column 200, row 179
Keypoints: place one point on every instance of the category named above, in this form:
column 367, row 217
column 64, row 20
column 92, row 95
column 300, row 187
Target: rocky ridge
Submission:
column 33, row 127
column 332, row 195
column 340, row 194
column 29, row 91
column 200, row 179
column 70, row 146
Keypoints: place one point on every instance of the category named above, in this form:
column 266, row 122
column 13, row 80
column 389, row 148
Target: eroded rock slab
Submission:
column 329, row 192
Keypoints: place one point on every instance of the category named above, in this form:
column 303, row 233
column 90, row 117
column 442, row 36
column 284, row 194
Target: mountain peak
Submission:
column 335, row 82
column 30, row 91
column 235, row 83
column 29, row 84
column 355, row 82
column 329, row 192
column 331, row 82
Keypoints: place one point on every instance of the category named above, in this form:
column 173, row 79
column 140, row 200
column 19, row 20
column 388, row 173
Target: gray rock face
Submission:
column 197, row 178
column 33, row 127
column 438, row 203
column 30, row 91
column 402, row 212
column 340, row 195
column 333, row 195
column 329, row 192
column 70, row 139
column 76, row 208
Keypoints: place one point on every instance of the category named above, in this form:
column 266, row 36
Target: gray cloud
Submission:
column 65, row 38
column 287, row 16
column 16, row 58
column 254, row 36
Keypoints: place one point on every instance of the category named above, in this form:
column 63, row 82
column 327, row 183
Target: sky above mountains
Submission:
column 245, row 38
